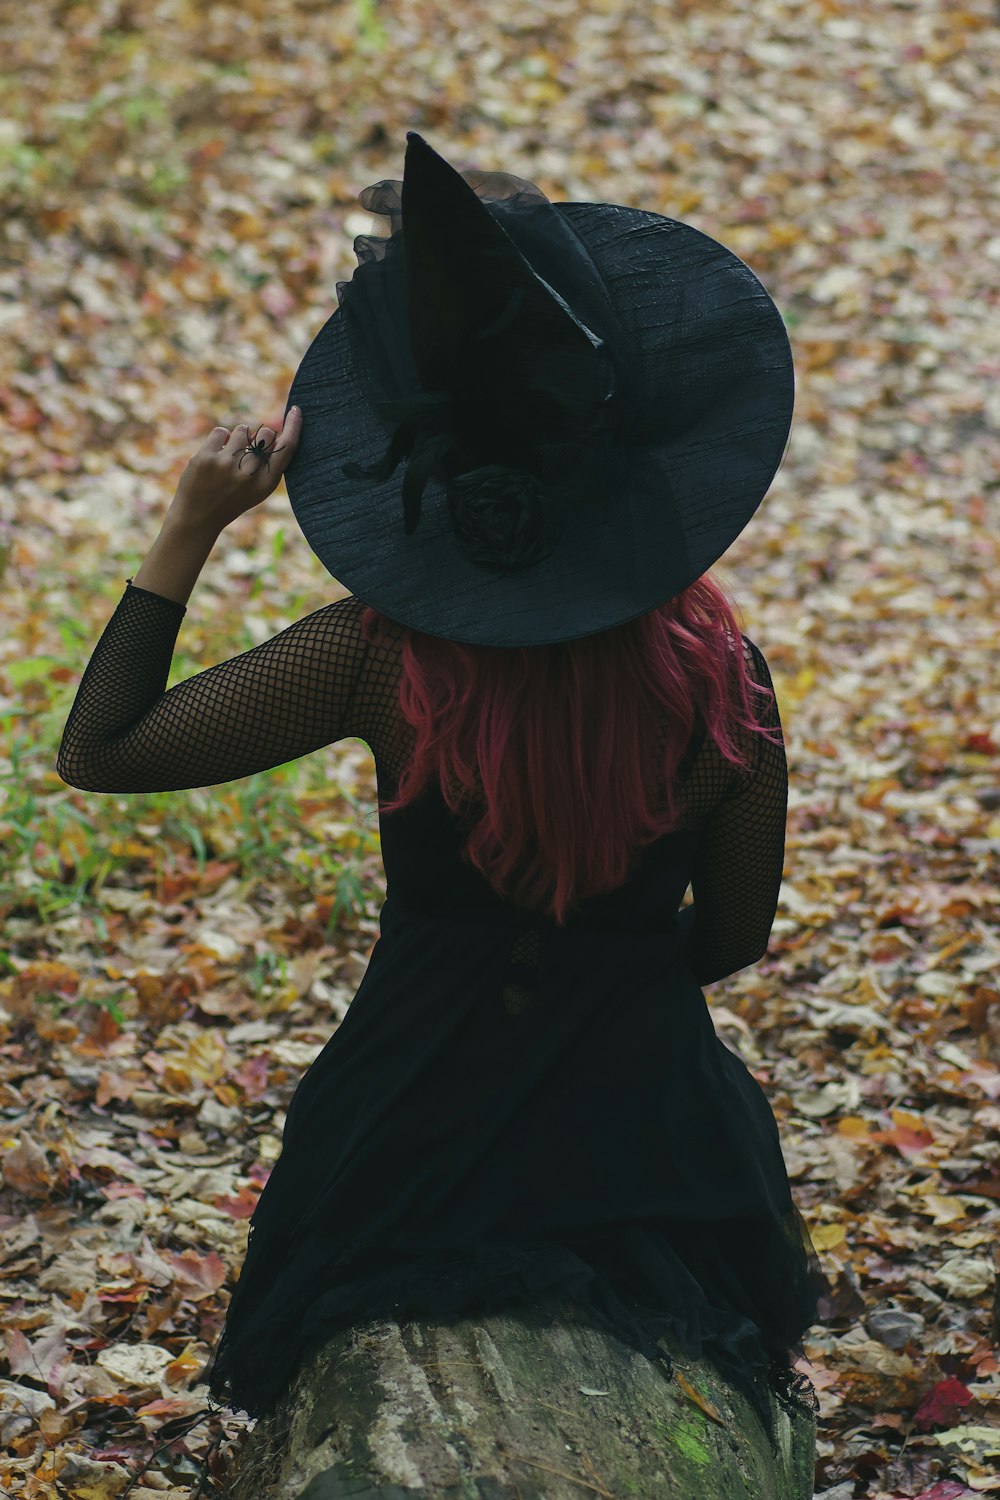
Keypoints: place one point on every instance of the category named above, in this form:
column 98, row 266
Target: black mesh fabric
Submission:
column 319, row 682
column 509, row 1107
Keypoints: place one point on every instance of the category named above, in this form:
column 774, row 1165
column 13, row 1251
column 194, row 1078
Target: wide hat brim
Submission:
column 710, row 350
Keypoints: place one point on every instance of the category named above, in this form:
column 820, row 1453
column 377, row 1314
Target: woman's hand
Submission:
column 222, row 480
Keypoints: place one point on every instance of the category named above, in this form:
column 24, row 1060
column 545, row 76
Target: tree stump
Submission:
column 526, row 1404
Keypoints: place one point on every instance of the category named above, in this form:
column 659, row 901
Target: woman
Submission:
column 526, row 1094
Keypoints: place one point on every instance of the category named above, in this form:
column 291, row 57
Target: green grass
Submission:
column 62, row 846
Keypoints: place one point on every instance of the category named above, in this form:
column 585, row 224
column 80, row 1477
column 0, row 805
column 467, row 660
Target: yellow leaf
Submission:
column 941, row 1209
column 784, row 234
column 544, row 91
column 132, row 849
column 825, row 1236
column 206, row 1056
column 686, row 202
column 177, row 1080
column 187, row 1363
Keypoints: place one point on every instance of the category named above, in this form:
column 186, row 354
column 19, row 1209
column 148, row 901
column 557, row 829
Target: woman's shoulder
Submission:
column 755, row 660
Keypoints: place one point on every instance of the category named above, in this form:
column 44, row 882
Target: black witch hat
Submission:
column 589, row 402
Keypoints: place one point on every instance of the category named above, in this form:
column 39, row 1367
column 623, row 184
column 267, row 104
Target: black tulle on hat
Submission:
column 530, row 421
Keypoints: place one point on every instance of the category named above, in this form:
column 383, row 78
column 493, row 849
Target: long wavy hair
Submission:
column 525, row 738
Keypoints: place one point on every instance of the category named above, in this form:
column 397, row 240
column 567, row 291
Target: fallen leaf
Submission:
column 965, row 1276
column 26, row 1169
column 702, row 1402
column 941, row 1404
column 134, row 1364
column 198, row 1276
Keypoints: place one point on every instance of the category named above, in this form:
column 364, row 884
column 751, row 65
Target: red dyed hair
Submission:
column 530, row 734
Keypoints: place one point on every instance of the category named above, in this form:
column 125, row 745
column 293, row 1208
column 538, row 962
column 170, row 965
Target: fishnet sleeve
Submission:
column 284, row 698
column 736, row 877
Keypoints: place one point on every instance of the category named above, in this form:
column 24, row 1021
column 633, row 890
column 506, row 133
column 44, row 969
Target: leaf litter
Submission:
column 172, row 233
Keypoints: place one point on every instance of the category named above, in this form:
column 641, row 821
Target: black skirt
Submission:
column 510, row 1110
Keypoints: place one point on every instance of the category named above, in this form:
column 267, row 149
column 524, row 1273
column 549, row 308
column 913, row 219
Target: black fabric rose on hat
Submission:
column 503, row 517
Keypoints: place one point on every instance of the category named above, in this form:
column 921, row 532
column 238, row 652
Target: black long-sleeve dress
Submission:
column 508, row 1108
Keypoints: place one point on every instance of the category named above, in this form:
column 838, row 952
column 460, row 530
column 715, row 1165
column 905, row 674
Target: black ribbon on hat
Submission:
column 424, row 435
column 503, row 516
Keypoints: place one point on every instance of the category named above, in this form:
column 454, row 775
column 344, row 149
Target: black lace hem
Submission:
column 252, row 1370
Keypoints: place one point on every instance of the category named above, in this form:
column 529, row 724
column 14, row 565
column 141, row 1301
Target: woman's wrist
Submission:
column 177, row 557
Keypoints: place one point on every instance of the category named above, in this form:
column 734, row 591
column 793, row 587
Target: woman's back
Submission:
column 728, row 846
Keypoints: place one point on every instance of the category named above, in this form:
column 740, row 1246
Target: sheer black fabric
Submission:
column 318, row 682
column 509, row 1107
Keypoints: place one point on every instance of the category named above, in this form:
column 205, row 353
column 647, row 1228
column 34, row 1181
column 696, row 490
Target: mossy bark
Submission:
column 522, row 1404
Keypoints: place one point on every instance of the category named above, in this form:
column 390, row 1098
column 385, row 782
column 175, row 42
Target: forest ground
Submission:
column 179, row 192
